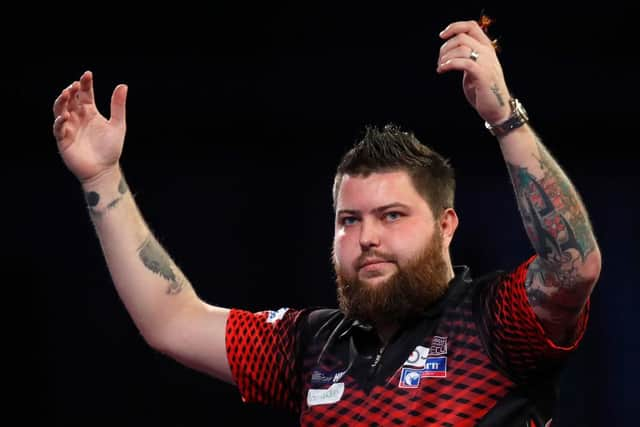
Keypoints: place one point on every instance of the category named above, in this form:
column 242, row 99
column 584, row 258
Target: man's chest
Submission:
column 446, row 377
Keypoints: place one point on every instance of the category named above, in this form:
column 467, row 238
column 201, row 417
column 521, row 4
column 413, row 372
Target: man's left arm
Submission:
column 561, row 278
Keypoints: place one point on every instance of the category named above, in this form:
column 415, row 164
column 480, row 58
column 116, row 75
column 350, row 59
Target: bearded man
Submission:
column 415, row 340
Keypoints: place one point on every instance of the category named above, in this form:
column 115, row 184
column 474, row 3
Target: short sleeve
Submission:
column 261, row 350
column 514, row 336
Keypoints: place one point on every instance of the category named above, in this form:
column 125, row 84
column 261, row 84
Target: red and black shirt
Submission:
column 477, row 357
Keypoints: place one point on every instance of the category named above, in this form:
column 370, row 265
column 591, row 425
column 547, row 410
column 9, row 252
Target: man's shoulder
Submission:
column 321, row 317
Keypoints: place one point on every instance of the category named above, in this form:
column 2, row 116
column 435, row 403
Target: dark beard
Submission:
column 404, row 296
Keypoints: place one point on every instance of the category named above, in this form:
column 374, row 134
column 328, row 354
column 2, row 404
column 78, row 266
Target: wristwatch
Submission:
column 517, row 118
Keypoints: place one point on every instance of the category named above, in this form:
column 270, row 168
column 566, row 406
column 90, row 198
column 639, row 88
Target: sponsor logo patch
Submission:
column 410, row 378
column 326, row 396
column 274, row 316
column 418, row 357
column 320, row 378
column 435, row 367
column 438, row 346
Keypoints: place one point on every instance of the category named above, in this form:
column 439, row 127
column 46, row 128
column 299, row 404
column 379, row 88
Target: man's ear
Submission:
column 448, row 225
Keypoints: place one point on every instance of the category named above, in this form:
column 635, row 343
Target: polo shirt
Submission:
column 477, row 357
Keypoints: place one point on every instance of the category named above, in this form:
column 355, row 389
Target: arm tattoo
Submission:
column 93, row 198
column 123, row 187
column 545, row 289
column 496, row 92
column 156, row 259
column 555, row 222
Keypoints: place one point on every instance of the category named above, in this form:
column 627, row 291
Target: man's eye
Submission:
column 348, row 220
column 392, row 216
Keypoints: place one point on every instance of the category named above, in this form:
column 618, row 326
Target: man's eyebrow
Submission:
column 347, row 211
column 389, row 206
column 376, row 210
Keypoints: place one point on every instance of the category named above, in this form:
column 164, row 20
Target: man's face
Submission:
column 388, row 247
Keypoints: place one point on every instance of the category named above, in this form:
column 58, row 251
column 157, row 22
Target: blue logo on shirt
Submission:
column 435, row 367
column 410, row 378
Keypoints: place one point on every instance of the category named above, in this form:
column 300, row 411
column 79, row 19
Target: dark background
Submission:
column 237, row 117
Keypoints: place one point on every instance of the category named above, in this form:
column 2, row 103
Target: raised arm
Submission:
column 563, row 275
column 159, row 298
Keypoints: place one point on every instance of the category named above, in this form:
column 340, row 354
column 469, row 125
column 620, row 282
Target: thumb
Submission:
column 118, row 102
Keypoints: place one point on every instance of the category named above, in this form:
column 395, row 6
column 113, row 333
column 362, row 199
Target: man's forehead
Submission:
column 386, row 180
column 376, row 189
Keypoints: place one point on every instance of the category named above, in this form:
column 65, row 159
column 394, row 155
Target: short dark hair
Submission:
column 392, row 149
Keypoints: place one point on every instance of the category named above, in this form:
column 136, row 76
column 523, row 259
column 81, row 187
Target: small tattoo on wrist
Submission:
column 92, row 198
column 123, row 187
column 496, row 92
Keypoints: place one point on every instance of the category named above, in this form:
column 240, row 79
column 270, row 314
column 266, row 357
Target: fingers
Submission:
column 118, row 105
column 81, row 92
column 60, row 128
column 77, row 93
column 466, row 44
column 70, row 102
column 459, row 64
column 86, row 87
column 470, row 28
column 61, row 111
column 60, row 104
column 460, row 46
column 73, row 103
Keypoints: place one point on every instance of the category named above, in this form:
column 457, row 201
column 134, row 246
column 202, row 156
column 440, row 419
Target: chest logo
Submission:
column 438, row 346
column 418, row 357
column 322, row 378
column 325, row 396
column 410, row 378
column 433, row 367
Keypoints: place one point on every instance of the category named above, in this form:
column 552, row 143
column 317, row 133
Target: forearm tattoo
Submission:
column 155, row 258
column 93, row 198
column 556, row 223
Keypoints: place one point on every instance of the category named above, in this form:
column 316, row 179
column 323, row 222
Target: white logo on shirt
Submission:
column 418, row 357
column 326, row 396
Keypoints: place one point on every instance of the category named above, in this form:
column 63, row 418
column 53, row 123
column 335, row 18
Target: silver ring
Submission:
column 474, row 55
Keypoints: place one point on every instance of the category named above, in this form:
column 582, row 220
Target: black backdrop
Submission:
column 236, row 119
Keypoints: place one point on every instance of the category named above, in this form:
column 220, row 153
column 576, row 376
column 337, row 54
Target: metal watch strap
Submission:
column 517, row 118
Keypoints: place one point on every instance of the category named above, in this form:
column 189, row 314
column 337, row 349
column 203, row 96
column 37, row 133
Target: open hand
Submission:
column 89, row 144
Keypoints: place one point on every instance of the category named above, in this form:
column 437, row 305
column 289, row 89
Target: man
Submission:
column 415, row 341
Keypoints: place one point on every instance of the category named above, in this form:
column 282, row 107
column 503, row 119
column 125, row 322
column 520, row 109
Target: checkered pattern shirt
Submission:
column 479, row 357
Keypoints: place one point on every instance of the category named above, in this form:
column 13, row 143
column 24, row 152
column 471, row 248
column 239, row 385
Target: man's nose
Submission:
column 369, row 234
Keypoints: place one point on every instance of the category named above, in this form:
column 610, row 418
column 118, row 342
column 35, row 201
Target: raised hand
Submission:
column 89, row 144
column 469, row 49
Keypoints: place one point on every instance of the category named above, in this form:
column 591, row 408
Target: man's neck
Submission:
column 386, row 331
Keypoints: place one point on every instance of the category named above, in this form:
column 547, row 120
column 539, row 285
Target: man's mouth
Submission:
column 371, row 261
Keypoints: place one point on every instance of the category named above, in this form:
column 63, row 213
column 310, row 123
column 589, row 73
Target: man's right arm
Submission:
column 157, row 295
column 159, row 298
